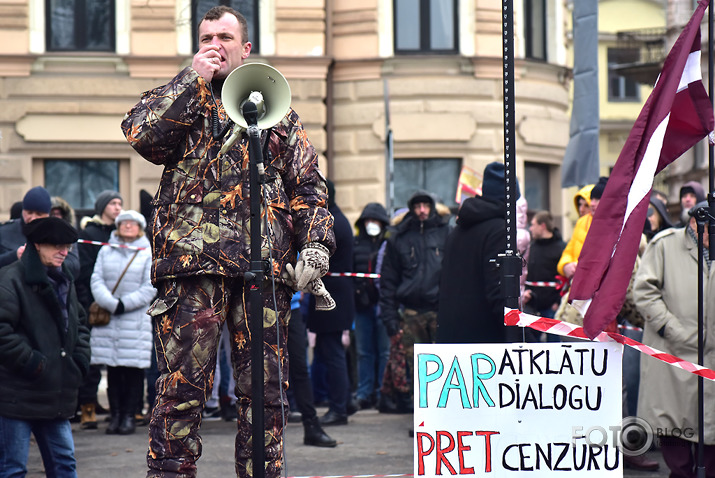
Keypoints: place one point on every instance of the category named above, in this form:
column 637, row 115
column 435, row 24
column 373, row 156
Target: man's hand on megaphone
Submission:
column 207, row 61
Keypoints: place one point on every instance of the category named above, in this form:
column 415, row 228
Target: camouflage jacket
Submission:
column 201, row 218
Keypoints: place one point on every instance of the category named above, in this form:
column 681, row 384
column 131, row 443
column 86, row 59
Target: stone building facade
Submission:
column 60, row 108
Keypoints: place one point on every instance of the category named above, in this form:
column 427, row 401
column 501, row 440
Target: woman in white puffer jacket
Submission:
column 125, row 344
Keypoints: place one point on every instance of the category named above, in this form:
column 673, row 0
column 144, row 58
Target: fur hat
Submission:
column 50, row 230
column 103, row 199
column 37, row 199
column 130, row 215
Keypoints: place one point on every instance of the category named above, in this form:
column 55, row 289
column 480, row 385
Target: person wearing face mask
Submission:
column 372, row 342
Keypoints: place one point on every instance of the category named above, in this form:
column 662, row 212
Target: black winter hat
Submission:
column 50, row 230
column 493, row 182
column 37, row 199
column 376, row 211
column 103, row 199
column 598, row 189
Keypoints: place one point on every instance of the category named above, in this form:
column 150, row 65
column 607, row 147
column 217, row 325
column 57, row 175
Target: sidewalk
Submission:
column 371, row 444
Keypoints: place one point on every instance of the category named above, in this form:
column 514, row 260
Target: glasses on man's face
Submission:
column 64, row 247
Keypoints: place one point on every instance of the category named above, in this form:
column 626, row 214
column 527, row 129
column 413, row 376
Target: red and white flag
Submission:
column 677, row 114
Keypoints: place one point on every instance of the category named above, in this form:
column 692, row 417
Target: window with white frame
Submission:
column 80, row 25
column 425, row 26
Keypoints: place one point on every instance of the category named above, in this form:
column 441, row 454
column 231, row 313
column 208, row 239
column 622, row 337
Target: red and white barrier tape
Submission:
column 553, row 326
column 120, row 246
column 135, row 248
column 353, row 274
column 541, row 283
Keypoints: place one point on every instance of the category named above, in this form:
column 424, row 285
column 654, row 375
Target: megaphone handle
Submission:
column 235, row 133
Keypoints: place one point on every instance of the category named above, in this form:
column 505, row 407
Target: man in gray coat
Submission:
column 665, row 294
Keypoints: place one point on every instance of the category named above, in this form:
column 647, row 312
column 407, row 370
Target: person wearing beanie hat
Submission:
column 35, row 204
column 691, row 193
column 44, row 350
column 37, row 200
column 468, row 280
column 108, row 198
column 493, row 183
column 127, row 300
column 97, row 228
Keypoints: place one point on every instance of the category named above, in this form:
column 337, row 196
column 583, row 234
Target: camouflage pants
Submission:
column 188, row 316
column 417, row 328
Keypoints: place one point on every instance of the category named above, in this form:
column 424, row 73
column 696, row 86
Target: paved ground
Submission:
column 371, row 444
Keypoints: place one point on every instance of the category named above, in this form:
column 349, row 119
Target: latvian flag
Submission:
column 677, row 115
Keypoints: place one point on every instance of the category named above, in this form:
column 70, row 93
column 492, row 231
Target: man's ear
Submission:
column 246, row 50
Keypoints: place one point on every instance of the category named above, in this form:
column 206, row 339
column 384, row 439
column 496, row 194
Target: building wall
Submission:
column 337, row 56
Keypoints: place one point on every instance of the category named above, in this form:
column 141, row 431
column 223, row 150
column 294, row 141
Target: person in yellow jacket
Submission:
column 582, row 200
column 569, row 258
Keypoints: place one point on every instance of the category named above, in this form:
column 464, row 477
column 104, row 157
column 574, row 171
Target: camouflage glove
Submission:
column 312, row 264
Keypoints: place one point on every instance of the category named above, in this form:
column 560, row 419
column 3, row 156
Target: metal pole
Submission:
column 510, row 260
column 254, row 281
column 702, row 218
column 389, row 155
column 700, row 467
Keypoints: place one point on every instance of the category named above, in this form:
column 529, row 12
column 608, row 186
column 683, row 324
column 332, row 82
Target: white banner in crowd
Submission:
column 519, row 409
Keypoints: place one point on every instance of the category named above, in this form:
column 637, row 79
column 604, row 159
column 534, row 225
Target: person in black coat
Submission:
column 328, row 326
column 44, row 351
column 471, row 303
column 372, row 341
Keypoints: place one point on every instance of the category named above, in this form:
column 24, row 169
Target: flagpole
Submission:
column 510, row 262
column 700, row 466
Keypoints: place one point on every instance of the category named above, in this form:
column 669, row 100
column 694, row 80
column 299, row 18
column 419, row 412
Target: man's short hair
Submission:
column 545, row 218
column 215, row 13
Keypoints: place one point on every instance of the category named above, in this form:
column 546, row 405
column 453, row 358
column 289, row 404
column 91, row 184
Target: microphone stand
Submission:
column 254, row 280
column 702, row 216
column 509, row 261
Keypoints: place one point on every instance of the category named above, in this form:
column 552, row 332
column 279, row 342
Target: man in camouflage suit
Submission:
column 201, row 248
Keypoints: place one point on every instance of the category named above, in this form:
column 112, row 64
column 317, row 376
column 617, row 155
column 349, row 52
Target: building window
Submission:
column 80, row 25
column 79, row 182
column 437, row 176
column 537, row 186
column 535, row 29
column 425, row 26
column 621, row 88
column 247, row 8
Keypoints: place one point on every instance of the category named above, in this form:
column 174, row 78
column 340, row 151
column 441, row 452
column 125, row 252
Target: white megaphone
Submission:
column 253, row 81
column 261, row 84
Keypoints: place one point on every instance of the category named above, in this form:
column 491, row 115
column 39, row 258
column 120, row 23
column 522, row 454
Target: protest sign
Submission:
column 517, row 409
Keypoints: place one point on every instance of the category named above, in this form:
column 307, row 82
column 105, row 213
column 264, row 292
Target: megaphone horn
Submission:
column 261, row 84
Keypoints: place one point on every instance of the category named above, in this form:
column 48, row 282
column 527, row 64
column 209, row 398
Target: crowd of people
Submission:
column 179, row 293
column 424, row 279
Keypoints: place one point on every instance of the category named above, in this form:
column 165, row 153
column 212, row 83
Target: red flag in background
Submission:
column 677, row 114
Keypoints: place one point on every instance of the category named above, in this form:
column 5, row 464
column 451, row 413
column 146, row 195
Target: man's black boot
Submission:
column 315, row 435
